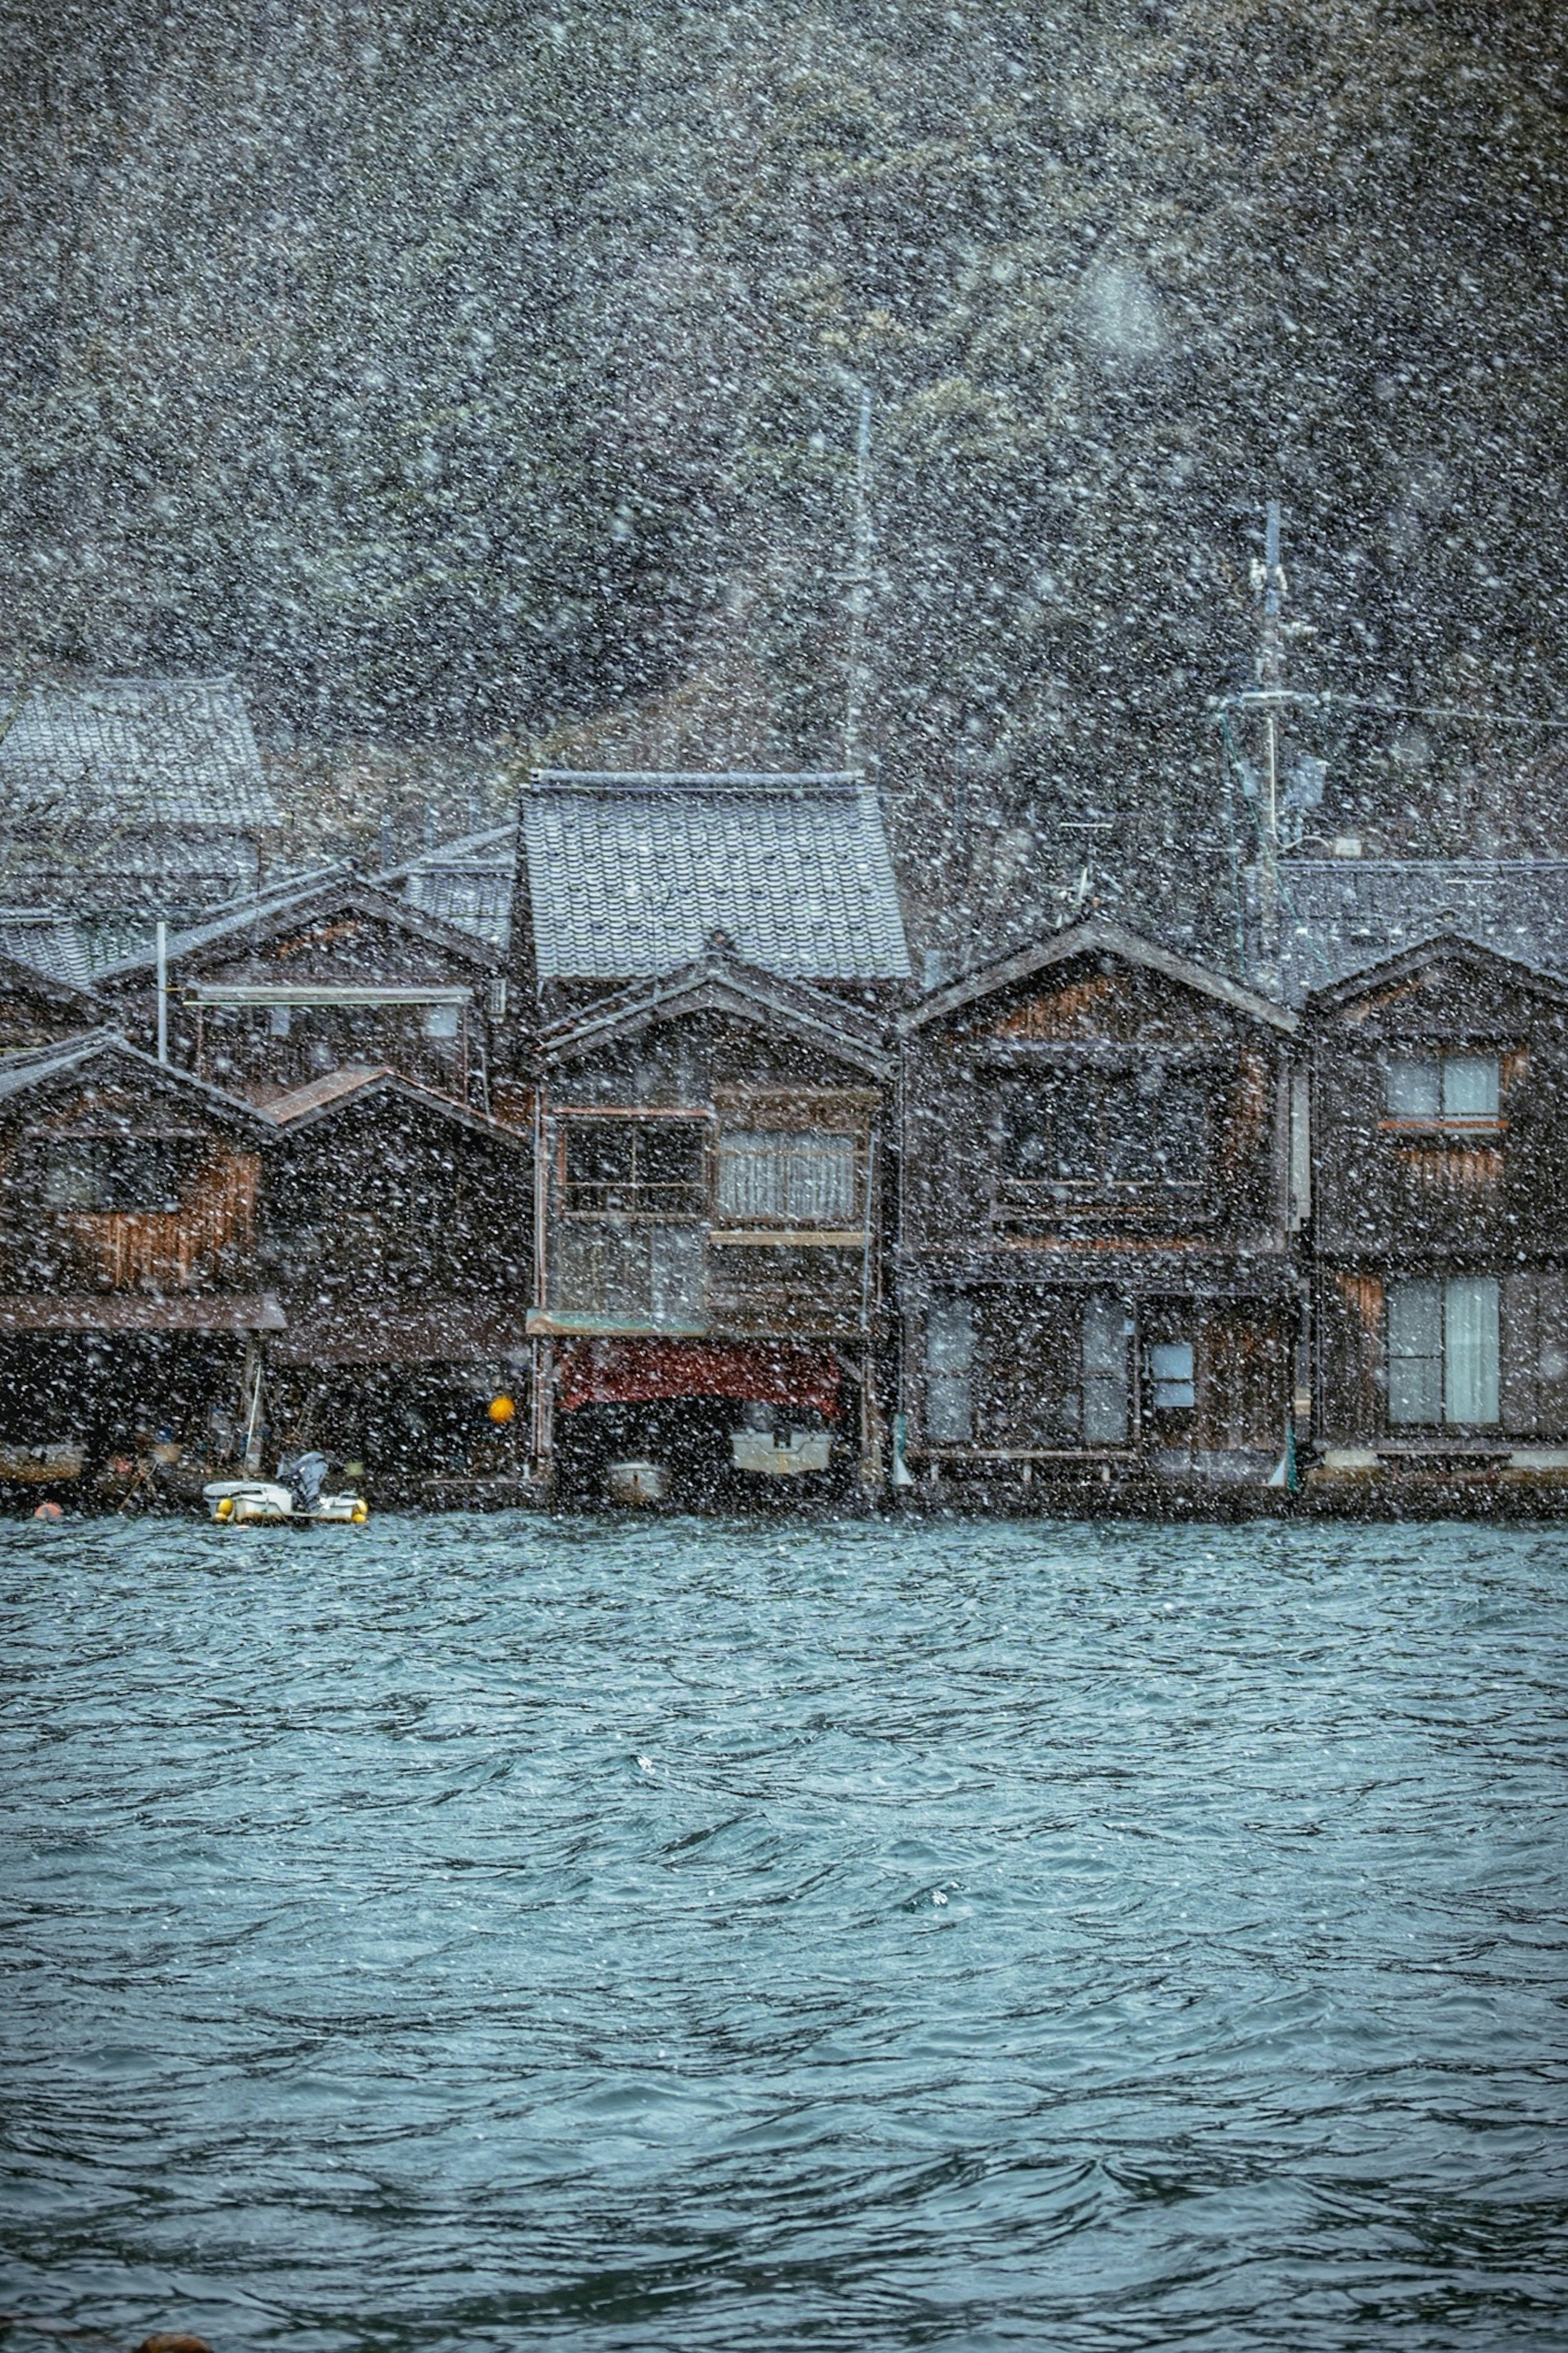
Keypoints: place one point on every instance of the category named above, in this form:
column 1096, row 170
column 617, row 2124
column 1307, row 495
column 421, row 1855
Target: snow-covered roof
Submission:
column 168, row 752
column 469, row 882
column 1339, row 915
column 631, row 875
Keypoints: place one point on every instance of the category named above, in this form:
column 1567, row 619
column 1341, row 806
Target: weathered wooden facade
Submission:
column 709, row 1232
column 1439, row 1228
column 1094, row 1246
column 397, row 1232
column 330, row 976
column 132, row 1293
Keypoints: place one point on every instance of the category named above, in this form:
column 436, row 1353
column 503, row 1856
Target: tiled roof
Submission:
column 165, row 752
column 467, row 882
column 51, row 943
column 633, row 875
column 1339, row 914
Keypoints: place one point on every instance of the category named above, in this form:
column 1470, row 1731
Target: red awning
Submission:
column 634, row 1372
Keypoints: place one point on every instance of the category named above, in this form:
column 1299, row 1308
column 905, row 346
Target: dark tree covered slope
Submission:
column 487, row 371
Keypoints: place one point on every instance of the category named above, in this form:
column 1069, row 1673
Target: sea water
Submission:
column 593, row 1933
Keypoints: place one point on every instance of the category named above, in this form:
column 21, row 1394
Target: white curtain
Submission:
column 1470, row 1348
column 798, row 1179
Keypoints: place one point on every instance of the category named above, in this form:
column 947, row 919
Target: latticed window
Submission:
column 793, row 1179
column 638, row 1167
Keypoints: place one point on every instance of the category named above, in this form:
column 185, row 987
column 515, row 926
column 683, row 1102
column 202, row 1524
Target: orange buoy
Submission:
column 48, row 1511
column 501, row 1411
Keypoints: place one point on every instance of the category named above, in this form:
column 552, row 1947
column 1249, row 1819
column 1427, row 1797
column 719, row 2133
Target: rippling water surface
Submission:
column 500, row 1933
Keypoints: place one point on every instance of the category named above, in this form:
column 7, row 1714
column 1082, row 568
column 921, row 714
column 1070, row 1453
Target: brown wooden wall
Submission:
column 208, row 1242
column 1390, row 1193
column 1116, row 1020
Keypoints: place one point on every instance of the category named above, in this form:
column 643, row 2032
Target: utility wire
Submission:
column 1403, row 710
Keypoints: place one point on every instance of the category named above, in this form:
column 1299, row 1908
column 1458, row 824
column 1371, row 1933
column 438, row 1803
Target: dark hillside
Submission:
column 486, row 372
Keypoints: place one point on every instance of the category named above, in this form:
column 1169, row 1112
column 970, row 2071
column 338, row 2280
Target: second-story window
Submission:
column 787, row 1179
column 128, row 1174
column 1094, row 1131
column 634, row 1167
column 1457, row 1092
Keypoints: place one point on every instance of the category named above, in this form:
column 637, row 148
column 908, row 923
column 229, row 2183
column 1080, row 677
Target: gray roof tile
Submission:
column 165, row 752
column 631, row 875
column 1339, row 915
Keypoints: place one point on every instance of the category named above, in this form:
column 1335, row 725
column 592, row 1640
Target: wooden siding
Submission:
column 211, row 1236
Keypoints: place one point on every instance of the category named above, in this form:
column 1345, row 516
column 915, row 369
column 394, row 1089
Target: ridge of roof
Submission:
column 1081, row 939
column 338, row 881
column 292, row 1112
column 684, row 781
column 1376, row 975
column 35, row 1065
column 717, row 976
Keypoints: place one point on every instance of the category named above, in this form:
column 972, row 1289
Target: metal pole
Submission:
column 859, row 583
column 162, row 957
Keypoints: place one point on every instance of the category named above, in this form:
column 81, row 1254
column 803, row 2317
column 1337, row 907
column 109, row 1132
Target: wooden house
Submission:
column 130, row 1293
column 397, row 1233
column 330, row 973
column 1439, row 1226
column 709, row 1226
column 1097, row 1293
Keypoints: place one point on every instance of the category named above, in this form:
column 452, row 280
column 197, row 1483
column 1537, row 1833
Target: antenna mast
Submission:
column 1268, row 700
column 859, row 583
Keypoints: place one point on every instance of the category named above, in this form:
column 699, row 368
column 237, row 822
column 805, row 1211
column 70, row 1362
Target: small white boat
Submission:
column 264, row 1504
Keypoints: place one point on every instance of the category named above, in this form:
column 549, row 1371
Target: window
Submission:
column 441, row 1020
column 642, row 1167
column 1093, row 1131
column 950, row 1373
column 1106, row 1331
column 1442, row 1357
column 787, row 1179
column 112, row 1172
column 1449, row 1091
column 1172, row 1386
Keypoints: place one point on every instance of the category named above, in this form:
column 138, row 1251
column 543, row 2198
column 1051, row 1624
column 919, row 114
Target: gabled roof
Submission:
column 1512, row 971
column 719, row 983
column 21, row 978
column 252, row 922
column 630, row 874
column 1338, row 915
column 175, row 752
column 469, row 882
column 1094, row 939
column 41, row 1066
column 360, row 1084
